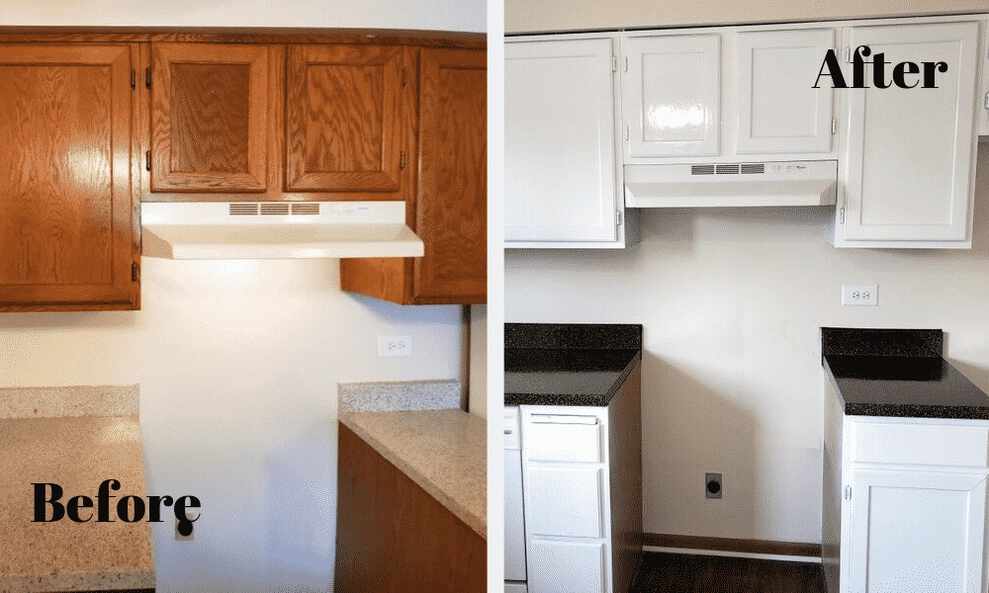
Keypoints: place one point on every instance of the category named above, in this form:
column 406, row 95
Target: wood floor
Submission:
column 673, row 573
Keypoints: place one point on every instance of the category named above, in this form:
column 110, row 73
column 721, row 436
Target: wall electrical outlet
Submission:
column 860, row 295
column 394, row 346
column 713, row 485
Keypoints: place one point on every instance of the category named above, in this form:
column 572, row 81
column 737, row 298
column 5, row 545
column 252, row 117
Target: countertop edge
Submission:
column 585, row 400
column 477, row 524
column 120, row 580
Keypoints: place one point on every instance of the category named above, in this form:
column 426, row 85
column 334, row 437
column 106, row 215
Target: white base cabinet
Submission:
column 904, row 503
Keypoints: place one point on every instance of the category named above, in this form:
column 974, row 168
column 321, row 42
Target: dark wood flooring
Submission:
column 674, row 573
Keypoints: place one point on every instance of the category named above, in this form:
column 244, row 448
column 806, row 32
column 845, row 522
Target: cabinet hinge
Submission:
column 133, row 79
column 619, row 219
column 135, row 272
column 403, row 159
column 147, row 160
column 626, row 63
column 834, row 126
column 848, row 54
column 614, row 63
column 841, row 215
column 848, row 492
column 147, row 77
column 985, row 101
column 626, row 131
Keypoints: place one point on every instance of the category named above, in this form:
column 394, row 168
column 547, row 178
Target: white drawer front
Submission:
column 560, row 438
column 922, row 444
column 566, row 567
column 563, row 501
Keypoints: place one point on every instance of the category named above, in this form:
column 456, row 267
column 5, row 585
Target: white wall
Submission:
column 731, row 301
column 564, row 15
column 478, row 378
column 449, row 15
column 238, row 361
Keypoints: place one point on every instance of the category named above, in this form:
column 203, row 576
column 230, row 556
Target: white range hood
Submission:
column 790, row 183
column 277, row 230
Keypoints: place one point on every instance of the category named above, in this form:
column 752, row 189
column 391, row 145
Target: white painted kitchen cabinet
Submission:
column 563, row 183
column 777, row 108
column 904, row 503
column 909, row 155
column 672, row 95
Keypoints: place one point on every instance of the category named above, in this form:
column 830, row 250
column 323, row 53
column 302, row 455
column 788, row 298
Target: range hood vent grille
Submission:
column 729, row 169
column 274, row 209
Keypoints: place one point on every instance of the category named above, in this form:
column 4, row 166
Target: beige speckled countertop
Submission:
column 52, row 439
column 443, row 451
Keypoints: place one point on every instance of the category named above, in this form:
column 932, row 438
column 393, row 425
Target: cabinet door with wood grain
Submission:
column 451, row 203
column 210, row 109
column 69, row 231
column 349, row 120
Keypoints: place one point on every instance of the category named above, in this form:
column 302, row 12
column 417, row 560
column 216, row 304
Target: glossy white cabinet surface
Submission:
column 561, row 165
column 910, row 153
column 916, row 531
column 778, row 108
column 672, row 95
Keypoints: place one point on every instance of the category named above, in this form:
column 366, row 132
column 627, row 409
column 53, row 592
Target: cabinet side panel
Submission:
column 393, row 537
column 831, row 513
column 625, row 470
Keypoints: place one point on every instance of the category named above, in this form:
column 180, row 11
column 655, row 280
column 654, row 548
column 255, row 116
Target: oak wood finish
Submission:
column 69, row 230
column 675, row 573
column 393, row 537
column 748, row 546
column 347, row 109
column 449, row 208
column 451, row 205
column 210, row 106
column 266, row 35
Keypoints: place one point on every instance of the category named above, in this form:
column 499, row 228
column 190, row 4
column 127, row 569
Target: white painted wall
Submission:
column 576, row 15
column 731, row 301
column 238, row 361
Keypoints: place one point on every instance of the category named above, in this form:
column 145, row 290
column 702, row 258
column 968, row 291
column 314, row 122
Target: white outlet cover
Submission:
column 394, row 346
column 859, row 295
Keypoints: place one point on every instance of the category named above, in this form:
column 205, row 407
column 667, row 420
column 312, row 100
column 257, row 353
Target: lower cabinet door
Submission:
column 917, row 532
column 566, row 567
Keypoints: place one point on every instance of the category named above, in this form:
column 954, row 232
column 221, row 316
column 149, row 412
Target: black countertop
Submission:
column 898, row 373
column 568, row 364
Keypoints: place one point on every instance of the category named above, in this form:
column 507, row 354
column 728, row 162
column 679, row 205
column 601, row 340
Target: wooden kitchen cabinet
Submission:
column 211, row 105
column 349, row 127
column 69, row 226
column 448, row 208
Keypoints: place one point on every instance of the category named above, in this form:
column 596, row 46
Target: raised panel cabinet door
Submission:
column 560, row 141
column 451, row 203
column 917, row 532
column 672, row 95
column 69, row 234
column 209, row 118
column 910, row 152
column 347, row 118
column 779, row 110
column 560, row 566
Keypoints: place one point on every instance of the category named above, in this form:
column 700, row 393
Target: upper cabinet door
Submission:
column 451, row 204
column 910, row 151
column 348, row 113
column 209, row 118
column 560, row 158
column 916, row 531
column 779, row 111
column 68, row 223
column 672, row 95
